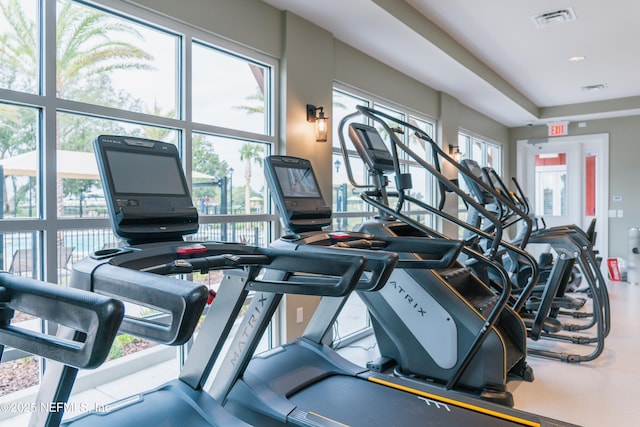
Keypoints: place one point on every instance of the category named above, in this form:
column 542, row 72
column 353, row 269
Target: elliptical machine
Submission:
column 544, row 309
column 486, row 339
column 540, row 322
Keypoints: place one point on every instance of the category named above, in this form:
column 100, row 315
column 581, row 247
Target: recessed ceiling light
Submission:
column 577, row 58
column 591, row 88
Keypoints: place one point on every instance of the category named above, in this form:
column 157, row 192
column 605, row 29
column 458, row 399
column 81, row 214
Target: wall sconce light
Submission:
column 454, row 150
column 320, row 121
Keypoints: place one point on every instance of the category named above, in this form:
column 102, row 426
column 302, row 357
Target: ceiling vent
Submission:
column 555, row 17
column 593, row 88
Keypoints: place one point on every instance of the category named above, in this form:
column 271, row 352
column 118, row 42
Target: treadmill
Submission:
column 305, row 382
column 151, row 209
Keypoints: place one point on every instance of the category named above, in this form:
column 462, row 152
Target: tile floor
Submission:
column 600, row 393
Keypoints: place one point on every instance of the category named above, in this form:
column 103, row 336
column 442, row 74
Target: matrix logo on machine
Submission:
column 249, row 325
column 408, row 298
column 431, row 325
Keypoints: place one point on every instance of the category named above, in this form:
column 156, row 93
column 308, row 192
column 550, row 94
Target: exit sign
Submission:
column 558, row 128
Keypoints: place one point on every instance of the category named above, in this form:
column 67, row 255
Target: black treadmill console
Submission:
column 296, row 193
column 371, row 147
column 145, row 189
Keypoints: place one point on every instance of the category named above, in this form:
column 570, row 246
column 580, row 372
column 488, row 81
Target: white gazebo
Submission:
column 70, row 164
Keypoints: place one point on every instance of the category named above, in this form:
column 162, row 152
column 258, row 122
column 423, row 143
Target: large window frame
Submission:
column 481, row 149
column 46, row 224
column 485, row 152
column 342, row 189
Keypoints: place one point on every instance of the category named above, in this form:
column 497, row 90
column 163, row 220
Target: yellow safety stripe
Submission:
column 456, row 403
column 328, row 419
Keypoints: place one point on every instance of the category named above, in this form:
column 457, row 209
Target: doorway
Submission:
column 566, row 180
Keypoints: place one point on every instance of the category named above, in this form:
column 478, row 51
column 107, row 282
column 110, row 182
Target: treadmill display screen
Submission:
column 146, row 174
column 298, row 182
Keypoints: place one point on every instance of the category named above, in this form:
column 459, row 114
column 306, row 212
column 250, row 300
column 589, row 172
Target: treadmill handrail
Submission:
column 380, row 263
column 183, row 301
column 345, row 272
column 312, row 268
column 441, row 252
column 95, row 318
column 206, row 263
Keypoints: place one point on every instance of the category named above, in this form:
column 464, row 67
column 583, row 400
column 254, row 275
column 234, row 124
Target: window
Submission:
column 345, row 201
column 243, row 105
column 348, row 209
column 128, row 72
column 228, row 179
column 486, row 153
column 115, row 61
column 20, row 67
column 19, row 136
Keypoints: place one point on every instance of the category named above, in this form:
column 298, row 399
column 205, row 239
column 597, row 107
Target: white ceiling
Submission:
column 491, row 56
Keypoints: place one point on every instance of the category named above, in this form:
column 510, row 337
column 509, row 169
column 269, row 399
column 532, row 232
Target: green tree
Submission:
column 86, row 51
column 87, row 46
column 207, row 161
column 18, row 48
column 250, row 153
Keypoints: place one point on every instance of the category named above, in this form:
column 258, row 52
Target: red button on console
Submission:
column 339, row 235
column 191, row 249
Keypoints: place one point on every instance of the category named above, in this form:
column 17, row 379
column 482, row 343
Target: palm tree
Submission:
column 18, row 48
column 88, row 48
column 249, row 154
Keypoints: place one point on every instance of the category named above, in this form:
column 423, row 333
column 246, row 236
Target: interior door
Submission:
column 555, row 179
column 566, row 181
